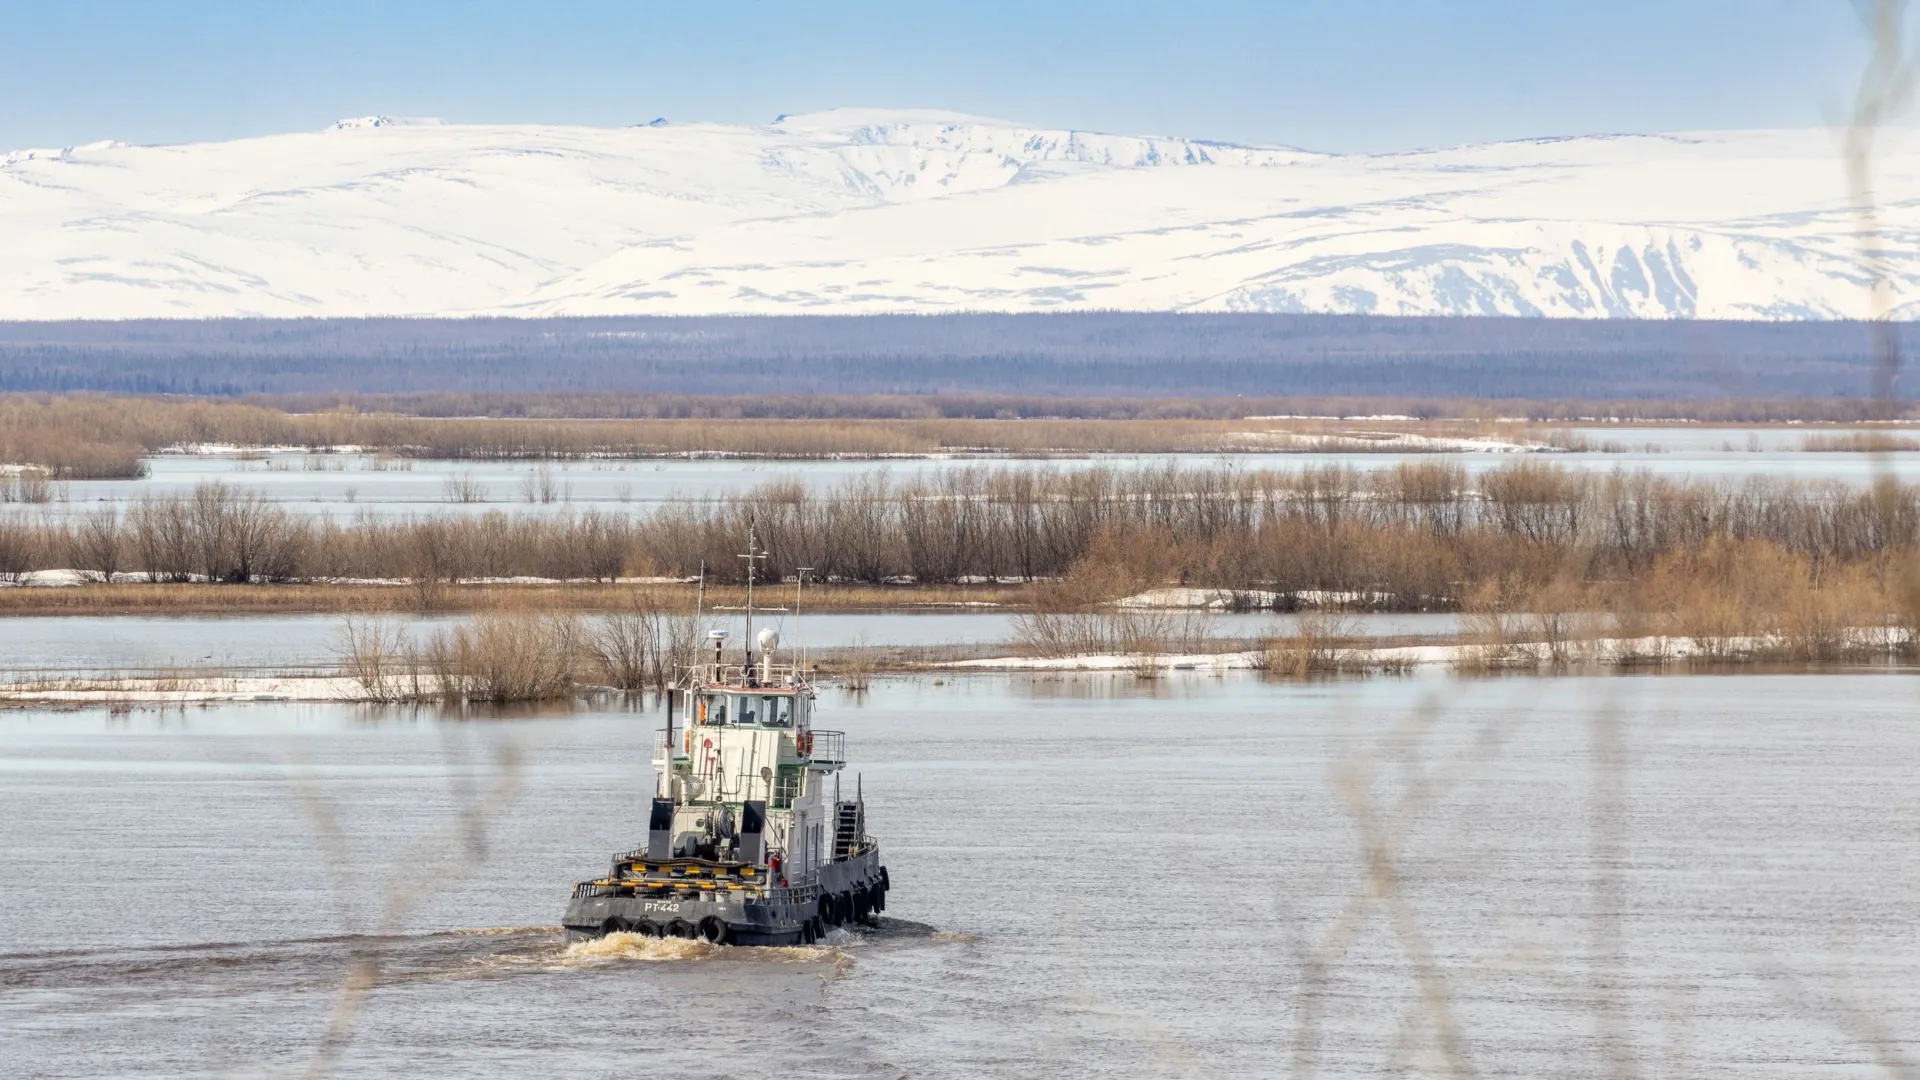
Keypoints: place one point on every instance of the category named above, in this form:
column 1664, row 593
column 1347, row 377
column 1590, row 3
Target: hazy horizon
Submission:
column 1337, row 79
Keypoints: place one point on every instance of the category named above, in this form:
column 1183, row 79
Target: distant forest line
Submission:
column 959, row 357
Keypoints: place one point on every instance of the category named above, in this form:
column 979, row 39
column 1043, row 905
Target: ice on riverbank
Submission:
column 183, row 689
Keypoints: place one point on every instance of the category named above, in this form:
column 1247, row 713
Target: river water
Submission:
column 72, row 644
column 1664, row 875
column 346, row 485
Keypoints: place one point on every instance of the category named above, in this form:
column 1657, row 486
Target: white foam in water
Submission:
column 644, row 947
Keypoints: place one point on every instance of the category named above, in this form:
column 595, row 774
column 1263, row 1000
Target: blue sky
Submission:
column 1345, row 76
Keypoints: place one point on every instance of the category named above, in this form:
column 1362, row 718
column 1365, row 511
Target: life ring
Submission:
column 686, row 741
column 702, row 709
column 804, row 741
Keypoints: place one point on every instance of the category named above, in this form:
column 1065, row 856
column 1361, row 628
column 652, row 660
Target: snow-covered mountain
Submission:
column 857, row 211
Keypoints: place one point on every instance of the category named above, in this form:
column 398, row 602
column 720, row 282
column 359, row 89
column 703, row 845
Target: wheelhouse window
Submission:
column 777, row 711
column 748, row 710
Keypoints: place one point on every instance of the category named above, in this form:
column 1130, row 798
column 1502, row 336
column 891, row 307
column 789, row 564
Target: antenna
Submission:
column 799, row 640
column 700, row 597
column 752, row 556
column 699, row 612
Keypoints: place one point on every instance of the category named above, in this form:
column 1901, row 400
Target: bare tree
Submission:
column 99, row 544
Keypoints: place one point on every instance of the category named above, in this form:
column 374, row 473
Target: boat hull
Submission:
column 849, row 891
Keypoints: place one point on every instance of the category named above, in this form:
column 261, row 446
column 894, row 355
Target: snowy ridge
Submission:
column 868, row 211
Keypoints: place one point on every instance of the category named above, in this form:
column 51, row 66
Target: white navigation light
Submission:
column 768, row 638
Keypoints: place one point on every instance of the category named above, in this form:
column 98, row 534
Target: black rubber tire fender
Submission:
column 611, row 926
column 885, row 882
column 714, row 929
column 879, row 901
column 679, row 929
column 645, row 928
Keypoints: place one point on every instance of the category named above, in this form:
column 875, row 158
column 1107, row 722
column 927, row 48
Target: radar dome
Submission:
column 768, row 639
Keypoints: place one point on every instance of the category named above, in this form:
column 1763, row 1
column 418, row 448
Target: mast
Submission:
column 752, row 556
column 700, row 597
column 799, row 642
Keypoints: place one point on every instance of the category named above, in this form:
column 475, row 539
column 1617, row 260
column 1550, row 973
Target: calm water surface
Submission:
column 346, row 485
column 1677, row 876
column 68, row 643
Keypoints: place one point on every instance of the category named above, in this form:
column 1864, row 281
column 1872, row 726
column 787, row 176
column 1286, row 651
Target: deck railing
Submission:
column 825, row 747
column 775, row 676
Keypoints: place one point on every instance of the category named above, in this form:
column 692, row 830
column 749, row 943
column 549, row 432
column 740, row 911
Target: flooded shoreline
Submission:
column 363, row 484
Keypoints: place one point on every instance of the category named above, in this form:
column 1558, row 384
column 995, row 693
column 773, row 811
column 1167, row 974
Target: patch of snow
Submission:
column 54, row 579
column 184, row 689
column 1392, row 442
column 1519, row 655
column 1198, row 599
column 1236, row 661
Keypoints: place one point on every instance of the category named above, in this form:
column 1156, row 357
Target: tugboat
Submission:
column 750, row 841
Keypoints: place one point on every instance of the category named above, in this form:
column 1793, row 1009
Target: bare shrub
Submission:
column 1723, row 598
column 599, row 546
column 378, row 654
column 621, row 648
column 98, row 543
column 501, row 657
column 163, row 539
column 1859, row 442
column 538, row 485
column 19, row 548
column 1490, row 631
column 1080, row 613
column 26, row 486
column 1319, row 645
column 463, row 487
column 1841, row 615
column 857, row 663
column 641, row 648
column 1544, row 504
column 1097, row 543
column 238, row 536
column 434, row 554
column 1639, row 633
column 1559, row 615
